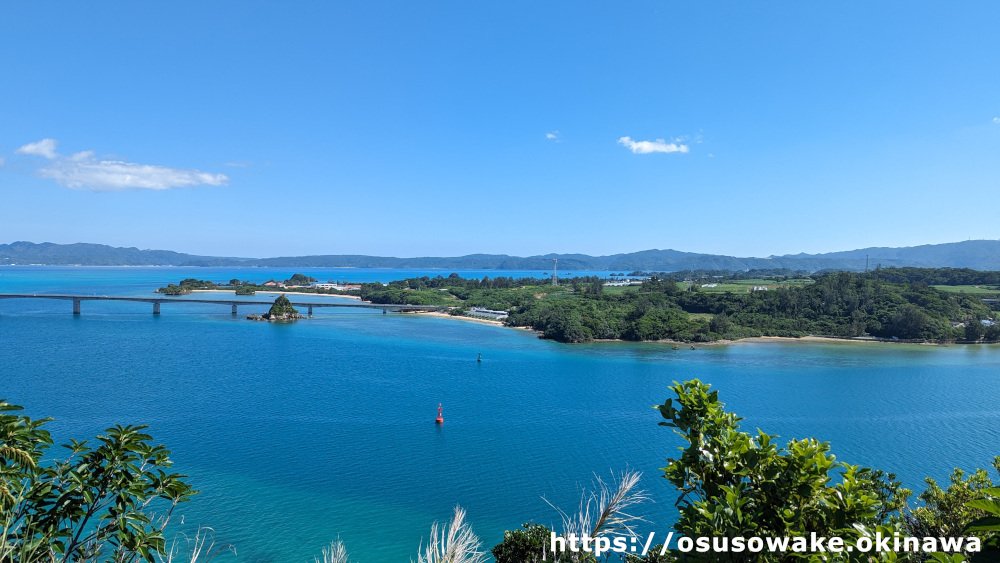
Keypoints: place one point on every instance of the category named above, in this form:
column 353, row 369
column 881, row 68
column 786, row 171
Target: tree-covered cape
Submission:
column 839, row 304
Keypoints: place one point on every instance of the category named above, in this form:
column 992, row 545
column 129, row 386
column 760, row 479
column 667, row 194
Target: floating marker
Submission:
column 439, row 419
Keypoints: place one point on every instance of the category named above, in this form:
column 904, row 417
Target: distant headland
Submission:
column 975, row 254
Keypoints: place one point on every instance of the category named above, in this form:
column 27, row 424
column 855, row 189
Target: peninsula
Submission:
column 895, row 304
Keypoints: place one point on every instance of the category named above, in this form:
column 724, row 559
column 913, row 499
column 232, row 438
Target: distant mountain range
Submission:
column 975, row 254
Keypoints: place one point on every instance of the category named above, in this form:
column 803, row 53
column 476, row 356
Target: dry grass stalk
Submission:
column 454, row 543
column 336, row 553
column 608, row 509
column 202, row 548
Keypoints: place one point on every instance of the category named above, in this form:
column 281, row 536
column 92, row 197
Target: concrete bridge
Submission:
column 156, row 301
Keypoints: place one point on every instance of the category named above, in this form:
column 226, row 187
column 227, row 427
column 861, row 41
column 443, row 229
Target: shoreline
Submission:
column 787, row 339
column 439, row 314
column 823, row 339
column 749, row 340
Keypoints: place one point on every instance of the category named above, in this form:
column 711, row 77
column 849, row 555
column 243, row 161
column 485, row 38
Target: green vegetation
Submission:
column 967, row 505
column 97, row 504
column 731, row 285
column 735, row 485
column 526, row 545
column 499, row 293
column 618, row 290
column 186, row 286
column 282, row 309
column 837, row 304
column 722, row 288
column 980, row 290
column 172, row 289
column 938, row 276
column 740, row 485
column 300, row 280
column 845, row 305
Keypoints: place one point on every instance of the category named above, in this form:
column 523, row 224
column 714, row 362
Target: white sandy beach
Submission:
column 464, row 318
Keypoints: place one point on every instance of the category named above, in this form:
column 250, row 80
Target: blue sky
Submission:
column 446, row 128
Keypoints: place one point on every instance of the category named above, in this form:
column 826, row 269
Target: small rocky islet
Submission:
column 281, row 310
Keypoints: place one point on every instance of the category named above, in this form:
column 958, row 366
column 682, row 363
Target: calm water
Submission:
column 300, row 433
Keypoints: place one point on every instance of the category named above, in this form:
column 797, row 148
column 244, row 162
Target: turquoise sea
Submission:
column 297, row 434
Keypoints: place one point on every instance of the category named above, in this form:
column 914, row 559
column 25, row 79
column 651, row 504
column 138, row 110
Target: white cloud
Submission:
column 237, row 164
column 45, row 147
column 2, row 160
column 996, row 120
column 553, row 135
column 83, row 170
column 647, row 147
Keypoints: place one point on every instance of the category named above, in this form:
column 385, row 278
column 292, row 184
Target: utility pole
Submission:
column 555, row 278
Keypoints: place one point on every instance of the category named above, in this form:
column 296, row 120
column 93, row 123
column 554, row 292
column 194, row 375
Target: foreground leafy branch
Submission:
column 110, row 501
column 733, row 484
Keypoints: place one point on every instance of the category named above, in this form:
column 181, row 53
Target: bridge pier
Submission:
column 383, row 310
column 234, row 308
column 76, row 306
column 310, row 310
column 156, row 307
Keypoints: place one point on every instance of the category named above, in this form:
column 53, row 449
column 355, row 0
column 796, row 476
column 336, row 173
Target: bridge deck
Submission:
column 156, row 301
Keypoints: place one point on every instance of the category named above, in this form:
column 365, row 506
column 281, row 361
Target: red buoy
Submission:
column 439, row 419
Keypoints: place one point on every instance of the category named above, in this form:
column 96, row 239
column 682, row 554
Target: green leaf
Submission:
column 947, row 557
column 989, row 505
column 987, row 524
column 993, row 491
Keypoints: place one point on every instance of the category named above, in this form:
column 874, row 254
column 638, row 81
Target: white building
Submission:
column 487, row 313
